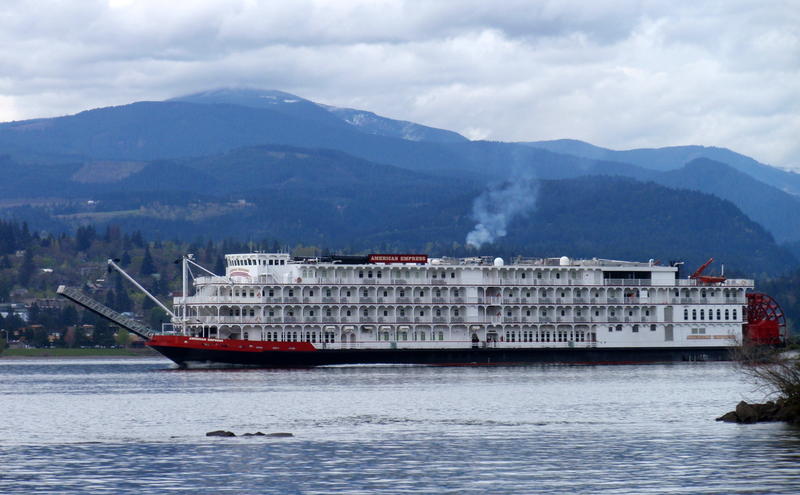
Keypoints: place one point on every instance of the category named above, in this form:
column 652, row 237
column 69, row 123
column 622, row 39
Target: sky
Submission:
column 620, row 74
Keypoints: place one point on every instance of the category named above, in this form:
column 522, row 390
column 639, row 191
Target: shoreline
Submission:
column 34, row 353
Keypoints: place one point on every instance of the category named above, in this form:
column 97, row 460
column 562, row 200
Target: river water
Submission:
column 138, row 427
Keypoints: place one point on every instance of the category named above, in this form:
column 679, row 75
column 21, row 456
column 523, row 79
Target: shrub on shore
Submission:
column 778, row 372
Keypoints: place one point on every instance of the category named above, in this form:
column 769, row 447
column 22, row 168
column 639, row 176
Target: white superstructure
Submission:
column 461, row 303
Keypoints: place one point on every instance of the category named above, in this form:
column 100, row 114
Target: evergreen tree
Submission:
column 219, row 267
column 137, row 240
column 68, row 316
column 148, row 267
column 122, row 302
column 111, row 299
column 27, row 269
column 84, row 237
column 125, row 260
column 112, row 234
column 34, row 313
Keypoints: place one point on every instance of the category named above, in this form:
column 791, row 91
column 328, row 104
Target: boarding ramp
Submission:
column 87, row 302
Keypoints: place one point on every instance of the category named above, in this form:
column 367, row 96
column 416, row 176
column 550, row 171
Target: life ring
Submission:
column 298, row 280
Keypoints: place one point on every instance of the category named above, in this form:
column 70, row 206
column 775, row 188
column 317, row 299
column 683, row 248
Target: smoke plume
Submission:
column 498, row 205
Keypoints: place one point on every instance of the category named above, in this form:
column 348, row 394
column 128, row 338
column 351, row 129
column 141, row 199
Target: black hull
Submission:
column 444, row 357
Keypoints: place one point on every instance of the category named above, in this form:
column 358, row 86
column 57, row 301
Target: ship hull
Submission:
column 186, row 356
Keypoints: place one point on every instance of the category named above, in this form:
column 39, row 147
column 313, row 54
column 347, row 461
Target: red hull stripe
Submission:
column 227, row 344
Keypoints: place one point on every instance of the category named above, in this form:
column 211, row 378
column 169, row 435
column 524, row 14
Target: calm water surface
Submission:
column 138, row 426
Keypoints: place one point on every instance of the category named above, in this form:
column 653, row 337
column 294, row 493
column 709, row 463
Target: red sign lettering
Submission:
column 398, row 258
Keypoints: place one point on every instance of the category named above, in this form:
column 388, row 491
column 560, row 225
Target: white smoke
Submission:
column 498, row 205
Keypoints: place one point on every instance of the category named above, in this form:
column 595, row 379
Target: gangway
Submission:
column 87, row 302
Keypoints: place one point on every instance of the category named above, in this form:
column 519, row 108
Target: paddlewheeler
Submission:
column 275, row 310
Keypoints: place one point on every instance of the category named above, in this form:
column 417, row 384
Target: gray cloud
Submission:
column 616, row 73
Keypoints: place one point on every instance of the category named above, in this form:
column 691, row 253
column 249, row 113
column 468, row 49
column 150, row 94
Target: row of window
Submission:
column 548, row 336
column 252, row 262
column 710, row 313
column 634, row 329
column 348, row 293
column 325, row 337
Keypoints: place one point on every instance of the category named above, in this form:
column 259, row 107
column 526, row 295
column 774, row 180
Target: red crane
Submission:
column 706, row 279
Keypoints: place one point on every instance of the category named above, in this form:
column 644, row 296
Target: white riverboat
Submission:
column 272, row 309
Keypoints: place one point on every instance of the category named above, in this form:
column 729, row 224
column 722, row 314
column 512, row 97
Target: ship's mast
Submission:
column 184, row 289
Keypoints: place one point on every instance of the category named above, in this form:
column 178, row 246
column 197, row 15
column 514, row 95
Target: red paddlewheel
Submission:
column 766, row 323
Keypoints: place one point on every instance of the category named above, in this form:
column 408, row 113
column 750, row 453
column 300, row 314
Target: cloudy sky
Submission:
column 619, row 74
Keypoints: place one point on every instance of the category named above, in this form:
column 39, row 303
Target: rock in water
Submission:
column 280, row 435
column 746, row 413
column 220, row 433
column 730, row 417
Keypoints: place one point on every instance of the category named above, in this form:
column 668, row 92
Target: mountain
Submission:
column 252, row 164
column 673, row 157
column 773, row 208
column 295, row 106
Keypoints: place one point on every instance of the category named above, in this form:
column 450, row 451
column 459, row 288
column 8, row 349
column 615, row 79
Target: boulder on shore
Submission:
column 779, row 410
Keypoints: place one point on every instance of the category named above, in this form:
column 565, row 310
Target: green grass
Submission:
column 77, row 353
